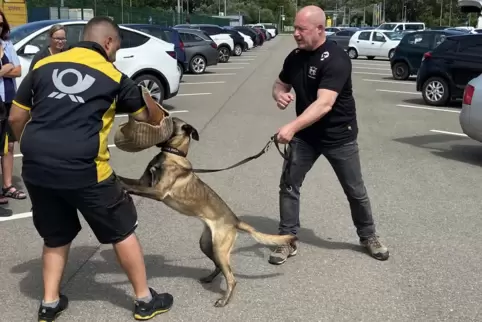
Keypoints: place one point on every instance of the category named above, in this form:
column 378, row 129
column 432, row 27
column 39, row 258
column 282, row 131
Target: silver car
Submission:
column 471, row 115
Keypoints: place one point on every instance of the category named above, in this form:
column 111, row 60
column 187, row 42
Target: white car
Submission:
column 373, row 43
column 247, row 39
column 471, row 115
column 146, row 59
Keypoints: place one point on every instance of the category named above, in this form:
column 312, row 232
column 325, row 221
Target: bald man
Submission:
column 72, row 98
column 319, row 72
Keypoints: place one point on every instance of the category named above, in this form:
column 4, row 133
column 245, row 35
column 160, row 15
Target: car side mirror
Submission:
column 31, row 50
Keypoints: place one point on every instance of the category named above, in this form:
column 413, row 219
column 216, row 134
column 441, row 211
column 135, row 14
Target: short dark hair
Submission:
column 101, row 20
column 6, row 27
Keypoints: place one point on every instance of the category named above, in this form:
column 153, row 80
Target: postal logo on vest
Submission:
column 73, row 91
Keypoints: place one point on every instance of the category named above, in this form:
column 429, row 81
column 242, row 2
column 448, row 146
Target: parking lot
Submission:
column 420, row 173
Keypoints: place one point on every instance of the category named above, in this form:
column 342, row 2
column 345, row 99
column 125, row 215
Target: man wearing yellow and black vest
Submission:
column 63, row 112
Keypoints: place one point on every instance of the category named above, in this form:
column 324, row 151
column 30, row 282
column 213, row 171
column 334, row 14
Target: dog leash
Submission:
column 272, row 140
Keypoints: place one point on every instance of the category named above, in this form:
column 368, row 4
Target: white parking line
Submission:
column 371, row 68
column 237, row 64
column 369, row 64
column 449, row 133
column 398, row 92
column 243, row 59
column 389, row 82
column 194, row 94
column 365, row 73
column 203, row 83
column 17, row 216
column 219, row 68
column 249, row 55
column 429, row 108
column 220, row 74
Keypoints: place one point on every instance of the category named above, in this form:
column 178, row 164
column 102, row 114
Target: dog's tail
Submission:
column 265, row 239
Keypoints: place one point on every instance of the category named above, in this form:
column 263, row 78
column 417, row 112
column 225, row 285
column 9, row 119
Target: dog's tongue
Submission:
column 156, row 112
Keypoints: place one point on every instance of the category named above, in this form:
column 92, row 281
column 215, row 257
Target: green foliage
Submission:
column 427, row 11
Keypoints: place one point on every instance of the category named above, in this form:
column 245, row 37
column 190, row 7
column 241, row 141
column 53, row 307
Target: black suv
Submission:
column 408, row 54
column 447, row 69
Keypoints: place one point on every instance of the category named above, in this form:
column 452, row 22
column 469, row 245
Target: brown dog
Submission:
column 169, row 178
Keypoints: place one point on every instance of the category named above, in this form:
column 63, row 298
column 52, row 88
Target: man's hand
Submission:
column 284, row 99
column 286, row 133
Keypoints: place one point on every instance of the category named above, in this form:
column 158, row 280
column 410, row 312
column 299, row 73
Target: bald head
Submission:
column 310, row 27
column 105, row 32
column 312, row 14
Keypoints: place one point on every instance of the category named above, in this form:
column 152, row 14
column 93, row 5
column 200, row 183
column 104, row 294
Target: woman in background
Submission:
column 57, row 41
column 9, row 69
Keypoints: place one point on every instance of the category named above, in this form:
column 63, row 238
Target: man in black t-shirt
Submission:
column 319, row 71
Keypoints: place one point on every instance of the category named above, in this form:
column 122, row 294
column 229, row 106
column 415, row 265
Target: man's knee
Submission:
column 59, row 241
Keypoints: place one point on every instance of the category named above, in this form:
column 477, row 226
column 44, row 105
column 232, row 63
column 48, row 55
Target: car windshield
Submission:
column 394, row 35
column 20, row 32
column 387, row 26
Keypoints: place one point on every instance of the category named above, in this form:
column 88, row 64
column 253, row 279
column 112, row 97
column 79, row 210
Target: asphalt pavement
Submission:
column 420, row 171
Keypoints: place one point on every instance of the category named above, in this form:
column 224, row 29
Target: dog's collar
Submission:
column 173, row 151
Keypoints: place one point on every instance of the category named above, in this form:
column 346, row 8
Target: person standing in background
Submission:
column 9, row 70
column 57, row 41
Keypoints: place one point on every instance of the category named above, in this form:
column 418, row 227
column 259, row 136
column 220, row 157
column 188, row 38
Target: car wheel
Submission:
column 390, row 54
column 153, row 84
column 352, row 53
column 400, row 71
column 223, row 54
column 238, row 50
column 181, row 70
column 370, row 57
column 435, row 91
column 197, row 65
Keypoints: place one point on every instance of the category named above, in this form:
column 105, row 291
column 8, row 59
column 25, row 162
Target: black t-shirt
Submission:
column 328, row 67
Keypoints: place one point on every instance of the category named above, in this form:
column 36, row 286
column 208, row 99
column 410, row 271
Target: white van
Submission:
column 401, row 26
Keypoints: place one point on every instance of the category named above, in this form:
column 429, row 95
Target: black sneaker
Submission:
column 160, row 303
column 49, row 314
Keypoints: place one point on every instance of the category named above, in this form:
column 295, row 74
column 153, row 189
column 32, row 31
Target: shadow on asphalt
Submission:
column 31, row 284
column 306, row 236
column 439, row 143
column 420, row 101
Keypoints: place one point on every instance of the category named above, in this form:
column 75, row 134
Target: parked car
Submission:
column 266, row 34
column 331, row 30
column 273, row 31
column 239, row 44
column 146, row 59
column 168, row 35
column 201, row 50
column 262, row 37
column 223, row 40
column 248, row 42
column 400, row 26
column 408, row 54
column 250, row 32
column 373, row 43
column 470, row 117
column 448, row 68
column 342, row 37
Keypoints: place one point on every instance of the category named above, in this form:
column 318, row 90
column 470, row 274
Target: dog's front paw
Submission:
column 221, row 302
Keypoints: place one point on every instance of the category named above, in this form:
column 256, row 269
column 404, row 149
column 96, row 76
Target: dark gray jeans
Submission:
column 345, row 161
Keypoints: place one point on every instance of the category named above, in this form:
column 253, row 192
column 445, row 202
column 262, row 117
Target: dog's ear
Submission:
column 190, row 130
column 155, row 176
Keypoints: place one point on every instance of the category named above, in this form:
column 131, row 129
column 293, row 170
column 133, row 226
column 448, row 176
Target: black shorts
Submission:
column 6, row 133
column 107, row 207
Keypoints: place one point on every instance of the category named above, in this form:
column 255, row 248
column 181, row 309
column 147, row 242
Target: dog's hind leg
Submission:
column 223, row 244
column 206, row 243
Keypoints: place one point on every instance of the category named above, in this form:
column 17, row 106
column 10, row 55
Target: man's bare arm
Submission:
column 316, row 110
column 279, row 88
column 17, row 119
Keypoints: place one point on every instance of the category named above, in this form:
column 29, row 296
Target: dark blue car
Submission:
column 169, row 35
